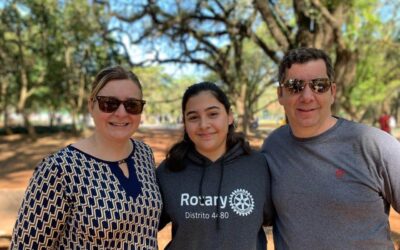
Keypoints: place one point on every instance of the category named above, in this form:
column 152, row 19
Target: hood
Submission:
column 202, row 161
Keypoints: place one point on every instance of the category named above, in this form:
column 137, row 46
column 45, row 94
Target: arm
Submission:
column 268, row 207
column 164, row 219
column 41, row 218
column 390, row 159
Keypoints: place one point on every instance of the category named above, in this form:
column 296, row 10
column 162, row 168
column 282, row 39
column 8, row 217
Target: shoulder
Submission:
column 280, row 134
column 141, row 145
column 163, row 170
column 363, row 131
column 255, row 160
column 54, row 164
column 59, row 157
column 373, row 138
column 165, row 176
column 260, row 160
column 162, row 167
column 142, row 148
column 256, row 156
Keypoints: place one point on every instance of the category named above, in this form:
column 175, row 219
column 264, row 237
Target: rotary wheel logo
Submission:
column 241, row 202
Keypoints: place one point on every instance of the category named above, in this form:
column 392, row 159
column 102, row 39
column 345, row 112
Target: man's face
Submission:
column 309, row 113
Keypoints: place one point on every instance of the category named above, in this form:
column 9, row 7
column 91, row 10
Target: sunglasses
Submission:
column 318, row 85
column 109, row 104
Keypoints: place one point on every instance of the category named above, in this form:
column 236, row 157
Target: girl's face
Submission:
column 119, row 125
column 206, row 123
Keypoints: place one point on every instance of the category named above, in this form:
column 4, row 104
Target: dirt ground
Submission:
column 18, row 157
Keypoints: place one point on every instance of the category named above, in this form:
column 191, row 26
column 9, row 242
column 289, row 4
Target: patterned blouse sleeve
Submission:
column 41, row 218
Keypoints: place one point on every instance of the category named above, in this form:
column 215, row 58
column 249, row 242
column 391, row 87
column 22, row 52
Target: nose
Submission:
column 203, row 122
column 121, row 111
column 307, row 94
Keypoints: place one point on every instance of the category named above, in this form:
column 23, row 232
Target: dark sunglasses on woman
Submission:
column 109, row 104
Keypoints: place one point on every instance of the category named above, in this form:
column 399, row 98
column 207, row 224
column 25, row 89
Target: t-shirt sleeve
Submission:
column 42, row 215
column 391, row 172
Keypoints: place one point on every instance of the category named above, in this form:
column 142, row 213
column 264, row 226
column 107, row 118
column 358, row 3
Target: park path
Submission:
column 19, row 156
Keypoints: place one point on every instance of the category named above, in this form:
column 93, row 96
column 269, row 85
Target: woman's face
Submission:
column 119, row 125
column 206, row 123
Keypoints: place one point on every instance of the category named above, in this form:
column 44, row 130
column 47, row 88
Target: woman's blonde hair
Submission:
column 113, row 73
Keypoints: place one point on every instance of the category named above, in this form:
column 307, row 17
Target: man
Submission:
column 333, row 180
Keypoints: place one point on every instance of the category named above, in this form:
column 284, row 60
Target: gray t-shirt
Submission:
column 334, row 191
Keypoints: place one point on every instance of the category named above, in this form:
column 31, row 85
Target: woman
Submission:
column 215, row 189
column 100, row 192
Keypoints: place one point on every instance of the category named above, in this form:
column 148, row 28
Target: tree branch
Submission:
column 333, row 22
column 267, row 14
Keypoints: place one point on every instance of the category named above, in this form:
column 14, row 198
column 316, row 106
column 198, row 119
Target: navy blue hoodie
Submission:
column 217, row 205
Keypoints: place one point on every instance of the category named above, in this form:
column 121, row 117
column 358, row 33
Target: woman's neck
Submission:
column 105, row 149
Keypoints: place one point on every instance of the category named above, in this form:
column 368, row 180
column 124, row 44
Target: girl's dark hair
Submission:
column 176, row 155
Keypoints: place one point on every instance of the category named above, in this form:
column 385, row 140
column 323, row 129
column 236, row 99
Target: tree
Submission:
column 213, row 34
column 162, row 93
column 19, row 34
column 206, row 34
column 51, row 50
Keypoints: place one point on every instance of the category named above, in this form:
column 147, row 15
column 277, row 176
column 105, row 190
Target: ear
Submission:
column 90, row 105
column 230, row 117
column 333, row 92
column 279, row 94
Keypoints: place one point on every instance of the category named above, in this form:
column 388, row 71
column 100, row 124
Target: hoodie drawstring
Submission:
column 201, row 185
column 221, row 177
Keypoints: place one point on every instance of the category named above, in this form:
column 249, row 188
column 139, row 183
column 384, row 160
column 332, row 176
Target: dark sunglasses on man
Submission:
column 109, row 104
column 318, row 85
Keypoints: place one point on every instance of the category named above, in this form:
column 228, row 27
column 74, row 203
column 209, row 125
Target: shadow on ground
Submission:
column 19, row 157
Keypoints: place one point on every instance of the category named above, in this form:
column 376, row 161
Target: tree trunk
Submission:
column 4, row 97
column 81, row 100
column 345, row 69
column 240, row 103
column 6, row 125
column 395, row 107
column 29, row 127
column 52, row 117
column 325, row 33
column 23, row 96
column 240, row 109
column 74, row 121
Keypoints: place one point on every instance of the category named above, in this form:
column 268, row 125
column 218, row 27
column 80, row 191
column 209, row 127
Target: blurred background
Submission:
column 50, row 51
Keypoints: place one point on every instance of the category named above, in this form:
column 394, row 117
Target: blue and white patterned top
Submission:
column 77, row 201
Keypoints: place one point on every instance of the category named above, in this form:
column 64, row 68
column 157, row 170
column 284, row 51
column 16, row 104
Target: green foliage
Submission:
column 51, row 50
column 162, row 92
column 377, row 80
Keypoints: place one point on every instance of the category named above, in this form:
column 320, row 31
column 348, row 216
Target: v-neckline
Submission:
column 130, row 184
